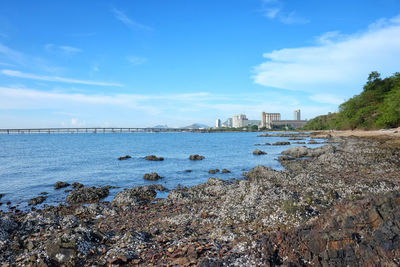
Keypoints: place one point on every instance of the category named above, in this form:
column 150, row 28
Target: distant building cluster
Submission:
column 268, row 121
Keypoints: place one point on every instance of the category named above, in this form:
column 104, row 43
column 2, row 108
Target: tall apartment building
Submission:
column 296, row 115
column 239, row 121
column 218, row 123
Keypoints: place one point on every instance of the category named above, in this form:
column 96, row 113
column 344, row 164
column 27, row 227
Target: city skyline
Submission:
column 145, row 63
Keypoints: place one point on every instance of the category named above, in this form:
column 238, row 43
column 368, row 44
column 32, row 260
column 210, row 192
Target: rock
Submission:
column 259, row 152
column 124, row 157
column 60, row 184
column 226, row 171
column 188, row 170
column 7, row 226
column 152, row 176
column 281, row 144
column 37, row 200
column 302, row 151
column 44, row 193
column 299, row 143
column 135, row 196
column 214, row 171
column 77, row 185
column 196, row 157
column 267, row 144
column 87, row 194
column 312, row 142
column 154, row 158
column 1, row 196
column 297, row 151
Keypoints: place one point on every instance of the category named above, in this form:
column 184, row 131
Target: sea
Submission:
column 32, row 163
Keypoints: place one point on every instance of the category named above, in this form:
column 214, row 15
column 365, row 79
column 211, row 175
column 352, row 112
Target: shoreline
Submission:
column 271, row 217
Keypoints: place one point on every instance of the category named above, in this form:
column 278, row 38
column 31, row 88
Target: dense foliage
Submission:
column 378, row 106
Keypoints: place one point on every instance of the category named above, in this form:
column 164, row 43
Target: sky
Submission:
column 98, row 63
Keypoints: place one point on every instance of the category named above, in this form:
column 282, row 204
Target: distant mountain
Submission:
column 195, row 126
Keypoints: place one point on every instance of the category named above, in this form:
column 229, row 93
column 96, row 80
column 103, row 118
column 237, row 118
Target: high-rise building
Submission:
column 268, row 118
column 263, row 120
column 296, row 115
column 239, row 121
column 218, row 123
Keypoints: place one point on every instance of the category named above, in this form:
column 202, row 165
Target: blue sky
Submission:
column 176, row 62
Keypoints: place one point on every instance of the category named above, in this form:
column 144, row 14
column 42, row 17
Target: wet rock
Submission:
column 151, row 176
column 226, row 171
column 124, row 157
column 7, row 226
column 87, row 195
column 259, row 152
column 299, row 143
column 213, row 171
column 188, row 170
column 196, row 157
column 267, row 144
column 281, row 143
column 154, row 158
column 77, row 185
column 312, row 142
column 44, row 193
column 1, row 196
column 37, row 200
column 135, row 196
column 60, row 184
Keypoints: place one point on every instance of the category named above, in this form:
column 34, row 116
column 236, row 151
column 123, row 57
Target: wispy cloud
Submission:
column 62, row 49
column 275, row 10
column 337, row 66
column 137, row 60
column 121, row 16
column 18, row 74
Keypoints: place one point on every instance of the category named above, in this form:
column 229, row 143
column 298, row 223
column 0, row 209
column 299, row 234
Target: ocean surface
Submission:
column 33, row 163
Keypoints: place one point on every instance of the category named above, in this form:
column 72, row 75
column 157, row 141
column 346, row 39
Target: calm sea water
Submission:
column 31, row 164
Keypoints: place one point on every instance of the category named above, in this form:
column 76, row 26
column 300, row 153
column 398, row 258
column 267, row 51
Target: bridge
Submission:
column 99, row 130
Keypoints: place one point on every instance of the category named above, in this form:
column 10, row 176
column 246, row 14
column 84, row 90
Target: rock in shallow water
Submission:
column 154, row 158
column 196, row 157
column 87, row 194
column 259, row 152
column 151, row 176
column 139, row 195
column 60, row 184
column 124, row 157
column 37, row 200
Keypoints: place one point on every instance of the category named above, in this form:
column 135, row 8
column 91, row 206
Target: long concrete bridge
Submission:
column 98, row 130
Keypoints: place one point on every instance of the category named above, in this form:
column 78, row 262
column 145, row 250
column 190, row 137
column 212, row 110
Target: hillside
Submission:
column 377, row 107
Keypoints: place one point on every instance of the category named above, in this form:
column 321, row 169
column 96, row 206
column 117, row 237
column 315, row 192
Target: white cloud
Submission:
column 137, row 60
column 275, row 10
column 18, row 74
column 121, row 16
column 62, row 49
column 337, row 67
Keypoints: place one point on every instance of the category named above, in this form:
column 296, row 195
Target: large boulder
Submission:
column 196, row 157
column 152, row 176
column 60, row 185
column 281, row 143
column 154, row 158
column 138, row 195
column 87, row 194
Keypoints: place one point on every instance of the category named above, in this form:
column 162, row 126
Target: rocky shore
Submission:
column 336, row 205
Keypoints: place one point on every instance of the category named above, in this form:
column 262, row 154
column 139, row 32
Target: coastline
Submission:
column 330, row 205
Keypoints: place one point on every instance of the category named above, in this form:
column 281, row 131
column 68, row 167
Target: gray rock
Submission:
column 7, row 226
column 152, row 176
column 135, row 196
column 77, row 185
column 281, row 144
column 214, row 171
column 226, row 171
column 87, row 194
column 259, row 152
column 124, row 157
column 60, row 184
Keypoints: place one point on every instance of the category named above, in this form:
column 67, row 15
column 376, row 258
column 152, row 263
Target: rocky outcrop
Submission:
column 124, row 157
column 139, row 195
column 154, row 158
column 87, row 194
column 76, row 185
column 60, row 185
column 258, row 152
column 302, row 151
column 152, row 176
column 226, row 171
column 281, row 143
column 37, row 200
column 196, row 157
